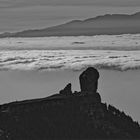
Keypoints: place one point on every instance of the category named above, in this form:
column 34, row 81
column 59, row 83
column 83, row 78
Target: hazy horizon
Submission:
column 33, row 14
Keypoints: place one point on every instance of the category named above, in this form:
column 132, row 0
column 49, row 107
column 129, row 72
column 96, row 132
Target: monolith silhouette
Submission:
column 89, row 80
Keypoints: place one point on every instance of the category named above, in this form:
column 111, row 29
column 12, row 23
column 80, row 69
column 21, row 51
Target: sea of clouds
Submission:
column 119, row 52
column 99, row 42
column 68, row 59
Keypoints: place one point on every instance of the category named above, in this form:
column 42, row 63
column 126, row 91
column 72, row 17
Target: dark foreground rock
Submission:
column 67, row 90
column 65, row 116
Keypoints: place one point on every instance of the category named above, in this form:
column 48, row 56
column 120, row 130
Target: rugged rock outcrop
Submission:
column 89, row 80
column 60, row 116
column 67, row 90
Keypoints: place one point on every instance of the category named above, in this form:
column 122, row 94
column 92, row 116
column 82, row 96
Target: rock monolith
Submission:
column 89, row 80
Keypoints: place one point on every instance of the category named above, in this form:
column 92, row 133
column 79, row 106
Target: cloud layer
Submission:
column 119, row 52
column 65, row 59
column 100, row 42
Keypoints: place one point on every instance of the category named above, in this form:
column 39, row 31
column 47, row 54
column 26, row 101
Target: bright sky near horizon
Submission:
column 16, row 15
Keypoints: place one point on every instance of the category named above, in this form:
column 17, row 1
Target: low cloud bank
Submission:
column 99, row 42
column 65, row 59
column 120, row 52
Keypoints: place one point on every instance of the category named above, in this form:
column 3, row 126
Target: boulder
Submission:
column 89, row 80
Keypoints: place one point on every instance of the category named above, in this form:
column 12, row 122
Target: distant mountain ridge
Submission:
column 106, row 24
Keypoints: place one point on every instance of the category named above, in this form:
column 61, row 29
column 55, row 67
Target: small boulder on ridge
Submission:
column 67, row 90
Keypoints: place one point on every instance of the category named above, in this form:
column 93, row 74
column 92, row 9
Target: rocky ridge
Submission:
column 67, row 115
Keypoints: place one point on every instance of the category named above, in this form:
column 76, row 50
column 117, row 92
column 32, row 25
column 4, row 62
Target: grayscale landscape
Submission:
column 44, row 48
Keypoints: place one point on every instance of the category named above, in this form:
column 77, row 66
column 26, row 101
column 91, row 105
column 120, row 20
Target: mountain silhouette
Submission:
column 110, row 24
column 67, row 115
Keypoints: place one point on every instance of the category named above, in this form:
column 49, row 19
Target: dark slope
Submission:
column 79, row 115
column 106, row 24
column 75, row 117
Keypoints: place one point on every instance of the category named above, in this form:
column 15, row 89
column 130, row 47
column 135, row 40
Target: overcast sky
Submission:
column 18, row 15
column 21, row 3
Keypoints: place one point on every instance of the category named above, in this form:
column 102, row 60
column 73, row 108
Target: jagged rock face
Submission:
column 67, row 90
column 89, row 80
